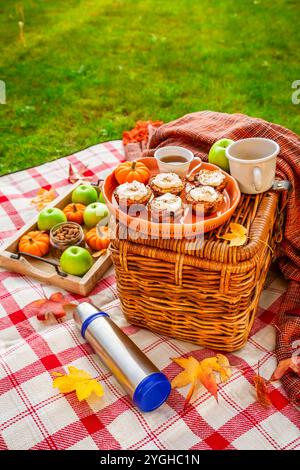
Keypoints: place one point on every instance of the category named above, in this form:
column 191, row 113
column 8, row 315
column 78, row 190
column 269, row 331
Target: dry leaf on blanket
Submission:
column 237, row 235
column 97, row 254
column 201, row 372
column 43, row 198
column 290, row 364
column 81, row 174
column 79, row 381
column 56, row 305
column 261, row 389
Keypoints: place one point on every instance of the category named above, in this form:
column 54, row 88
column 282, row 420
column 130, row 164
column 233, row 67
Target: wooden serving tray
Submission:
column 48, row 273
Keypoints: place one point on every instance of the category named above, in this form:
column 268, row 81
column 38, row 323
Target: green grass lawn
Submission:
column 91, row 68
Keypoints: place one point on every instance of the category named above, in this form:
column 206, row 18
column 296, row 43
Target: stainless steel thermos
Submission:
column 143, row 382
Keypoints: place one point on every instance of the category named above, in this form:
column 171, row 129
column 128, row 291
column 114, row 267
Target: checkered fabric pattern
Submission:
column 33, row 415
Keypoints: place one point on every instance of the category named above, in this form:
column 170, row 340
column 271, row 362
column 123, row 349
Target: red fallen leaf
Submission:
column 291, row 363
column 81, row 174
column 43, row 308
column 262, row 393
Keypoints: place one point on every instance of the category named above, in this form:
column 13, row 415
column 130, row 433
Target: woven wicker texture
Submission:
column 204, row 292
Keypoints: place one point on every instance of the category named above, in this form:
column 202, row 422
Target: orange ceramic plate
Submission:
column 188, row 226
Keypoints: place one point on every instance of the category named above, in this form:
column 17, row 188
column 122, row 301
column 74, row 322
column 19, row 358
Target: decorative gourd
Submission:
column 97, row 241
column 35, row 243
column 132, row 171
column 74, row 212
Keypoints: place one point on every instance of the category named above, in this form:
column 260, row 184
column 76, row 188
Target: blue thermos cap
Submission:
column 152, row 392
column 140, row 378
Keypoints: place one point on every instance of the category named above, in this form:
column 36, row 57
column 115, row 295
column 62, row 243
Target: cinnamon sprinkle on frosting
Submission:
column 133, row 191
column 204, row 193
column 168, row 202
column 167, row 180
column 210, row 178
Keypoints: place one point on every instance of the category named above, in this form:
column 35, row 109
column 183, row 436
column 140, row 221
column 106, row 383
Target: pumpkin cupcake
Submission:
column 214, row 178
column 128, row 194
column 166, row 183
column 167, row 207
column 204, row 199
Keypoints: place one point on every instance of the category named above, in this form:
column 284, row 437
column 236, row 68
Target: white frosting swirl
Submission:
column 204, row 193
column 210, row 178
column 133, row 191
column 168, row 202
column 167, row 180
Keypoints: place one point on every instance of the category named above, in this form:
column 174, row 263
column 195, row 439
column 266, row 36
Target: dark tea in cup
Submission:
column 173, row 159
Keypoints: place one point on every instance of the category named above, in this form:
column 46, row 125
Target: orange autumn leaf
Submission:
column 291, row 363
column 208, row 380
column 261, row 389
column 43, row 198
column 237, row 235
column 140, row 132
column 201, row 372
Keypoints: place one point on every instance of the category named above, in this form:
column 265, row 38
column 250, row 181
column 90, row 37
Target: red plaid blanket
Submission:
column 33, row 415
column 198, row 131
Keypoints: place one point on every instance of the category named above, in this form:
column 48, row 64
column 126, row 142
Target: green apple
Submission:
column 49, row 217
column 76, row 260
column 217, row 154
column 101, row 198
column 95, row 213
column 84, row 194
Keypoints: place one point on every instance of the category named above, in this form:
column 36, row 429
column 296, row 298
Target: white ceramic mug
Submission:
column 180, row 168
column 252, row 163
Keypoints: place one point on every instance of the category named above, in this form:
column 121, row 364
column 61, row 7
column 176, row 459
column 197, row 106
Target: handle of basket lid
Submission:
column 20, row 255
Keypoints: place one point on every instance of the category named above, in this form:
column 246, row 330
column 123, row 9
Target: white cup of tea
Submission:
column 252, row 163
column 174, row 159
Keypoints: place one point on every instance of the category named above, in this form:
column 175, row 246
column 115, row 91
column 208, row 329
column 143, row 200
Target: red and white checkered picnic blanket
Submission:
column 34, row 415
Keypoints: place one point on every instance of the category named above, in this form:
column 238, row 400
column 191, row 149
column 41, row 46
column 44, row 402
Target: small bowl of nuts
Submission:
column 64, row 235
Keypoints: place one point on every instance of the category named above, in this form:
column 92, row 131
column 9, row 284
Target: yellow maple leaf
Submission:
column 225, row 370
column 218, row 363
column 203, row 372
column 79, row 381
column 237, row 235
column 189, row 376
column 43, row 198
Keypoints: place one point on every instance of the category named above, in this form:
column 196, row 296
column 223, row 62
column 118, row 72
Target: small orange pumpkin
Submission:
column 35, row 243
column 132, row 171
column 74, row 212
column 97, row 241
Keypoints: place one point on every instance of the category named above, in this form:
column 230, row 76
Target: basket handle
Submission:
column 19, row 255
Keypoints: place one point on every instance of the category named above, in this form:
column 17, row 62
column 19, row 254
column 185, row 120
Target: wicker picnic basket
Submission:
column 205, row 294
